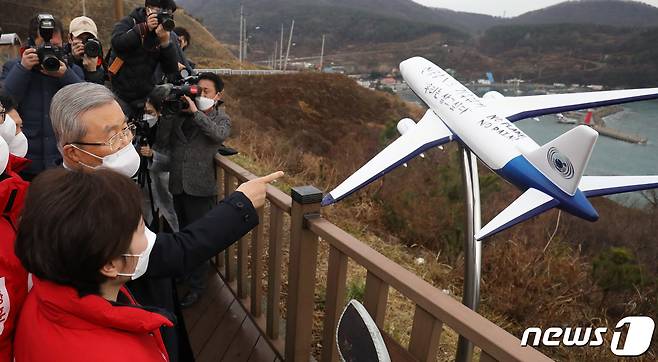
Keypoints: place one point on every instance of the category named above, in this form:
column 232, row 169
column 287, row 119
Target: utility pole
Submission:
column 281, row 51
column 322, row 55
column 292, row 28
column 245, row 41
column 241, row 23
column 118, row 10
column 276, row 48
column 84, row 8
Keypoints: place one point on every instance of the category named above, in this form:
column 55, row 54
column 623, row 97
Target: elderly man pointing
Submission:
column 92, row 132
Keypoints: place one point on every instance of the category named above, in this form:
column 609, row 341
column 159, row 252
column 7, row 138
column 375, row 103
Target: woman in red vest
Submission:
column 82, row 237
column 13, row 277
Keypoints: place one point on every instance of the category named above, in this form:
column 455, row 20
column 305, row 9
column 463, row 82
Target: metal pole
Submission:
column 118, row 10
column 240, row 52
column 84, row 8
column 322, row 54
column 276, row 47
column 245, row 41
column 281, row 50
column 292, row 28
column 472, row 247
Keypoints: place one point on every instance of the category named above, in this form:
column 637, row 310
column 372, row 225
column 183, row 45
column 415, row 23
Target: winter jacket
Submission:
column 140, row 51
column 13, row 277
column 56, row 324
column 34, row 91
column 192, row 141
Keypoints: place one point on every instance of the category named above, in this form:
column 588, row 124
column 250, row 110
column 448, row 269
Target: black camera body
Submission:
column 175, row 103
column 93, row 48
column 166, row 18
column 49, row 54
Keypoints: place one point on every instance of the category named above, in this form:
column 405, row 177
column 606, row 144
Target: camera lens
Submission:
column 50, row 63
column 92, row 48
column 168, row 24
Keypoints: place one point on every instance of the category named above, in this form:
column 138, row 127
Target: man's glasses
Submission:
column 116, row 142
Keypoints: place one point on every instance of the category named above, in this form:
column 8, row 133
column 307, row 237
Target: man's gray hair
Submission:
column 69, row 104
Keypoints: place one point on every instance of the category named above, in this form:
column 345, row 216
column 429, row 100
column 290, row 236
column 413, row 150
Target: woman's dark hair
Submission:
column 180, row 31
column 219, row 83
column 73, row 223
column 6, row 101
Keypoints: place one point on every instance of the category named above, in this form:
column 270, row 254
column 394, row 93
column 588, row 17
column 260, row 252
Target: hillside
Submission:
column 599, row 12
column 205, row 50
column 376, row 35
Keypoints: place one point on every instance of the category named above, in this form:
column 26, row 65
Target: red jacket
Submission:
column 56, row 324
column 13, row 277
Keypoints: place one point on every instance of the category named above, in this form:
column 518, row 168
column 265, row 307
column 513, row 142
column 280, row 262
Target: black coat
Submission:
column 175, row 255
column 141, row 53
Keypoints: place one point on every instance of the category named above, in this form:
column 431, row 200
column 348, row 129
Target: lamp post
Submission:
column 472, row 247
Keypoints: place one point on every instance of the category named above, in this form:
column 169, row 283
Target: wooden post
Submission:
column 425, row 335
column 118, row 10
column 375, row 298
column 335, row 301
column 301, row 273
column 219, row 171
column 229, row 271
column 274, row 272
column 257, row 266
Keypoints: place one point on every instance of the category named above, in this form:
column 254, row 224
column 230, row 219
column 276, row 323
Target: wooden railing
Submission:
column 307, row 228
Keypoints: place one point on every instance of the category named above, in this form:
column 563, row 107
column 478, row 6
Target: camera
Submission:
column 49, row 54
column 166, row 18
column 170, row 95
column 93, row 48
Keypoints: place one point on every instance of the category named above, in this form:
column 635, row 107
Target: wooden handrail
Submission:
column 433, row 307
column 277, row 197
column 482, row 332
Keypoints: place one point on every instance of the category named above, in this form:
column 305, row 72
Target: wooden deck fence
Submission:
column 308, row 228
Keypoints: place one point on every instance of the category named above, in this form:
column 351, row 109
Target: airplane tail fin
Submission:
column 565, row 159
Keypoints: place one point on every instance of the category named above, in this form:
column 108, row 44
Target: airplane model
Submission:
column 551, row 175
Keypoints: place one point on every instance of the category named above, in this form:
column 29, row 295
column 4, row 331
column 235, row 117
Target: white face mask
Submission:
column 150, row 119
column 143, row 258
column 125, row 161
column 18, row 146
column 204, row 104
column 4, row 155
column 8, row 129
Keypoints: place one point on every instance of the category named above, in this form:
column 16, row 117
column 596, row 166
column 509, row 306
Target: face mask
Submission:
column 204, row 104
column 8, row 129
column 4, row 155
column 18, row 146
column 143, row 258
column 150, row 119
column 125, row 161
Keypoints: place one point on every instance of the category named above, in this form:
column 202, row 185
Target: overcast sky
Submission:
column 499, row 7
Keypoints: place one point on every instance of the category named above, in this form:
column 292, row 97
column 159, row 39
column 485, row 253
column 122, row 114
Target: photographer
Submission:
column 158, row 200
column 32, row 81
column 191, row 136
column 140, row 42
column 85, row 50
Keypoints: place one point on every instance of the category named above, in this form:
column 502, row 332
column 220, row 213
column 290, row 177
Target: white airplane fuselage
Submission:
column 494, row 139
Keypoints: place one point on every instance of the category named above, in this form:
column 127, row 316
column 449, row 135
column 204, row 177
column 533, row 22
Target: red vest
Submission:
column 56, row 324
column 13, row 277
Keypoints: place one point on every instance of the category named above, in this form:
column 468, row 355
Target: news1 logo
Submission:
column 638, row 337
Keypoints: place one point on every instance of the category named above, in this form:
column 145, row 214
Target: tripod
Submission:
column 143, row 174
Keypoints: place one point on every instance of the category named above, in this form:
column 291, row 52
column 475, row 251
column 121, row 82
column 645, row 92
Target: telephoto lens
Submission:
column 48, row 57
column 93, row 48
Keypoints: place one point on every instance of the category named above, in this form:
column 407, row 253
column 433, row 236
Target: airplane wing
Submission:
column 593, row 186
column 532, row 203
column 428, row 133
column 518, row 108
